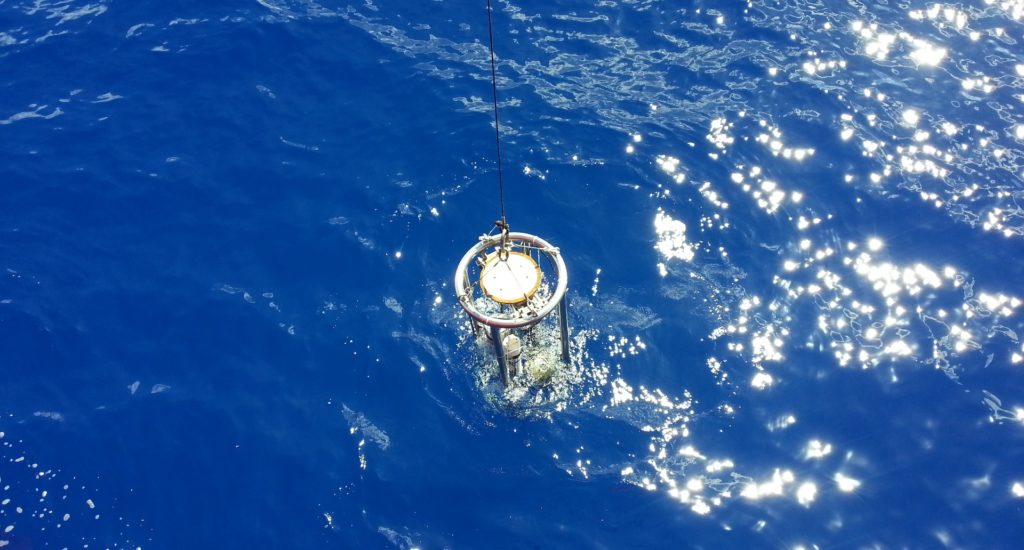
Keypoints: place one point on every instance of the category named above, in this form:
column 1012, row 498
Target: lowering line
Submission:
column 501, row 224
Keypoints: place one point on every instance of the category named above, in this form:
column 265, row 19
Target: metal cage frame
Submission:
column 557, row 299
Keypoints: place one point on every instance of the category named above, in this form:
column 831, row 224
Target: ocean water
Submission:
column 794, row 233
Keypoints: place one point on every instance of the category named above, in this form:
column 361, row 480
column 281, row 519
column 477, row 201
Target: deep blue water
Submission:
column 793, row 231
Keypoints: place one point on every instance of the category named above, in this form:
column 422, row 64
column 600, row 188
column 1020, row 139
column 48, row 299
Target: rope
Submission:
column 497, row 130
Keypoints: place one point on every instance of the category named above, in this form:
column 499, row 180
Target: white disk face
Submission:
column 512, row 280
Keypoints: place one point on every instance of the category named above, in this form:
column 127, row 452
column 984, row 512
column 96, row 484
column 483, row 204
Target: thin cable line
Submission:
column 497, row 129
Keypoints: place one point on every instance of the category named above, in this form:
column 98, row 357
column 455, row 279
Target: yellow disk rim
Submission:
column 511, row 281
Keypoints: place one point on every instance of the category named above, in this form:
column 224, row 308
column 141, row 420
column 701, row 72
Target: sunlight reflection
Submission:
column 926, row 54
column 768, row 193
column 671, row 457
column 867, row 327
column 761, row 380
column 781, row 423
column 879, row 43
column 816, row 449
column 944, row 14
column 672, row 242
column 845, row 483
column 772, row 137
column 670, row 165
column 1013, row 8
column 775, row 486
column 911, row 117
column 806, row 493
column 719, row 133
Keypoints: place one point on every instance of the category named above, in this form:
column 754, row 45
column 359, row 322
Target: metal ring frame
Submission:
column 463, row 286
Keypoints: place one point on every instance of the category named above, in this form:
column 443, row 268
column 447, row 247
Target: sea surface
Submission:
column 793, row 229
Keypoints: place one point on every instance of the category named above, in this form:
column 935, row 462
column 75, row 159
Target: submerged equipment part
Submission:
column 513, row 351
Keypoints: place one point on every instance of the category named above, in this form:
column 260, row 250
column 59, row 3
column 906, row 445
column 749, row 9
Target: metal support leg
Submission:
column 563, row 324
column 499, row 351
